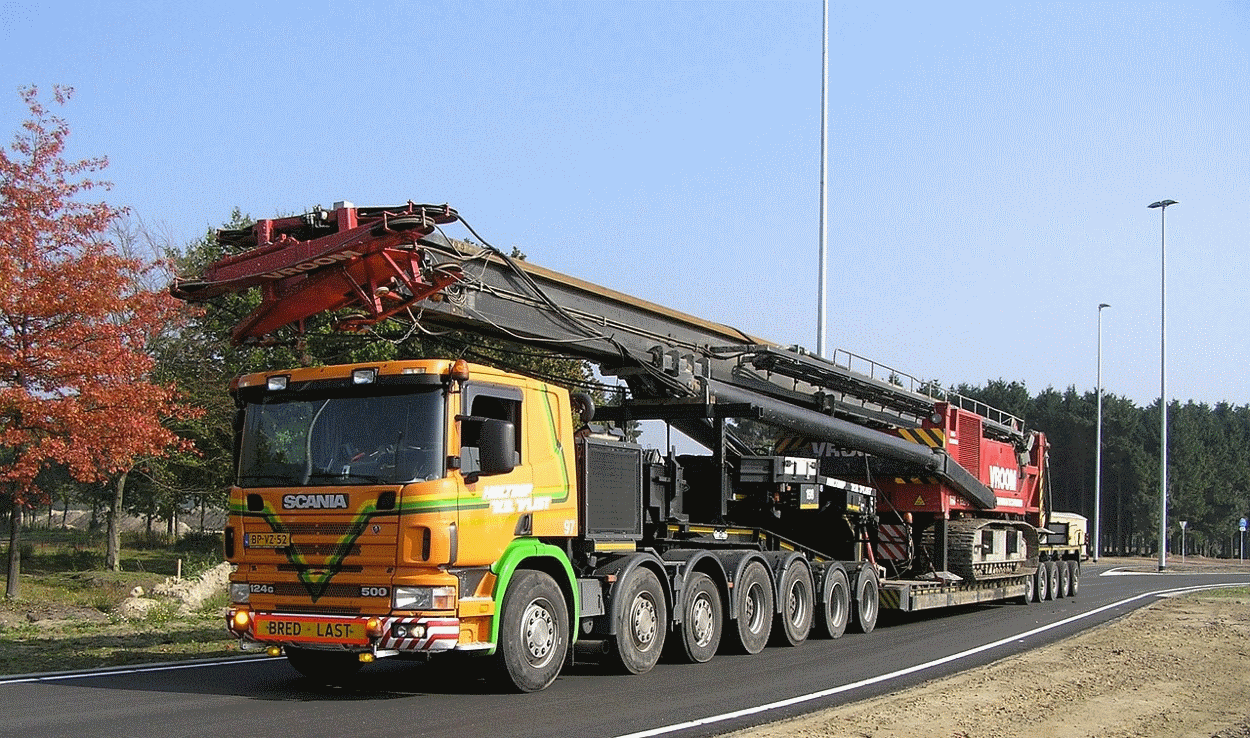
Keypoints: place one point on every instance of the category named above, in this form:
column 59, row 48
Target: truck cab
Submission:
column 380, row 509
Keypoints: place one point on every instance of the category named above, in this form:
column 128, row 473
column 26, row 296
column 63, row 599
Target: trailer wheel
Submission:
column 1061, row 570
column 1041, row 583
column 835, row 610
column 867, row 600
column 1052, row 578
column 533, row 632
column 754, row 609
column 798, row 599
column 702, row 621
column 643, row 621
column 1074, row 577
column 324, row 667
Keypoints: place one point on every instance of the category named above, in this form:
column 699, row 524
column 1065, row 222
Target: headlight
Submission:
column 239, row 593
column 424, row 598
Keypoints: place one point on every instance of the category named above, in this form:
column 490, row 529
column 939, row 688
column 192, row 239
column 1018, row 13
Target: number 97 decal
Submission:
column 375, row 591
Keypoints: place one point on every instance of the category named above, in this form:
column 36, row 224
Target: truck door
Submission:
column 491, row 508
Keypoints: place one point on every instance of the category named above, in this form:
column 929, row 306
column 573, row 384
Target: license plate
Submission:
column 266, row 540
column 310, row 630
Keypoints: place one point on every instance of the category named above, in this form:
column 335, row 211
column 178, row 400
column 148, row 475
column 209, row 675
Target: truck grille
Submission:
column 323, row 549
column 297, row 528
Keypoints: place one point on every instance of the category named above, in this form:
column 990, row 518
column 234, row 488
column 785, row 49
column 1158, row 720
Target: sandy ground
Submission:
column 1179, row 668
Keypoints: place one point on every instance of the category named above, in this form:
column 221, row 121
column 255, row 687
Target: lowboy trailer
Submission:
column 432, row 507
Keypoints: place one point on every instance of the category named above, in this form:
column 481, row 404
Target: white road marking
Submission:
column 168, row 666
column 1122, row 572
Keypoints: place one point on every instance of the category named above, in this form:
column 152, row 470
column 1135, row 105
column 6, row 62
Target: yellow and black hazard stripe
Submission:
column 931, row 437
column 793, row 444
column 891, row 599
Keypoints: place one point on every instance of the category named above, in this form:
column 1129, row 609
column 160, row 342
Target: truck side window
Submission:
column 488, row 402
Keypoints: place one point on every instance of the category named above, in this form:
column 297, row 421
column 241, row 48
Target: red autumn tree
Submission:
column 75, row 320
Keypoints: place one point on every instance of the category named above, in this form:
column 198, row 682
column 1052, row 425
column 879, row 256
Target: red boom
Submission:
column 363, row 258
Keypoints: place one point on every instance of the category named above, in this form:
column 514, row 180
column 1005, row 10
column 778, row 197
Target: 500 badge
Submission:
column 375, row 591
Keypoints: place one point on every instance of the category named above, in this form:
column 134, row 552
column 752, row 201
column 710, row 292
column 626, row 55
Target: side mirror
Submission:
column 497, row 443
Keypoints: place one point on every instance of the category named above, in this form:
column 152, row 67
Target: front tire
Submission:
column 533, row 632
column 642, row 622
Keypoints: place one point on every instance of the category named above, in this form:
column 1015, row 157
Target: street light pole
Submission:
column 824, row 197
column 1098, row 447
column 1163, row 381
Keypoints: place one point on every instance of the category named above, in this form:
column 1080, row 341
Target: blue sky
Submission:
column 990, row 164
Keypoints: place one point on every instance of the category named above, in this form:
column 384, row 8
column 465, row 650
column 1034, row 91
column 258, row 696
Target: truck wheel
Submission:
column 798, row 600
column 533, row 632
column 867, row 600
column 702, row 621
column 754, row 609
column 1061, row 569
column 643, row 621
column 1052, row 578
column 324, row 667
column 835, row 611
column 1041, row 584
column 1074, row 577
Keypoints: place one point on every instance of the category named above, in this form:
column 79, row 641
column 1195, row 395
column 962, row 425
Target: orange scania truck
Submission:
column 433, row 508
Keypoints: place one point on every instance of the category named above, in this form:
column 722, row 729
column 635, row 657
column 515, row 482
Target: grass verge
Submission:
column 63, row 619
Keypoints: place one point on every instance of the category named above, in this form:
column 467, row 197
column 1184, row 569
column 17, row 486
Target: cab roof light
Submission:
column 277, row 383
column 364, row 376
column 460, row 370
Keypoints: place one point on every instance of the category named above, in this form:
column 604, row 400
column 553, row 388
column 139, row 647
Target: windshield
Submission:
column 340, row 439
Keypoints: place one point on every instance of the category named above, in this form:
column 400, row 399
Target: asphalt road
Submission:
column 266, row 697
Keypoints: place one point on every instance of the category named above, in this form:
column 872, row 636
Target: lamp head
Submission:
column 1161, row 204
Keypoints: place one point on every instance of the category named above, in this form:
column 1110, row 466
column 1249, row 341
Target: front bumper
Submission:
column 380, row 635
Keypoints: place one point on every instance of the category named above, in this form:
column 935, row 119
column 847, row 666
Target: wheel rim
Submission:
column 702, row 620
column 797, row 604
column 752, row 610
column 868, row 604
column 539, row 628
column 643, row 623
column 837, row 607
